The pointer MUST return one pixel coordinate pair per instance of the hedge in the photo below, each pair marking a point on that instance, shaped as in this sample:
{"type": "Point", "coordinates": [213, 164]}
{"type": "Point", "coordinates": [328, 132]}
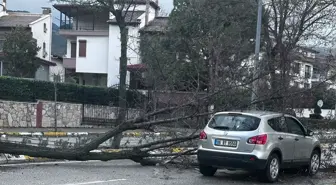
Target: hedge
{"type": "Point", "coordinates": [18, 89]}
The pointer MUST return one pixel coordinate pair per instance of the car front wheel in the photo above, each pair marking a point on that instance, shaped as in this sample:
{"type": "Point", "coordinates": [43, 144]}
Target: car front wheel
{"type": "Point", "coordinates": [314, 164]}
{"type": "Point", "coordinates": [207, 170]}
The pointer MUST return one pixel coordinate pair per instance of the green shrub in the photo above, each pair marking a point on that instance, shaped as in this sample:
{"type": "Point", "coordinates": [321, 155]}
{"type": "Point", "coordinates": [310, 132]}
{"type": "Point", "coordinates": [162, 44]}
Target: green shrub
{"type": "Point", "coordinates": [17, 89]}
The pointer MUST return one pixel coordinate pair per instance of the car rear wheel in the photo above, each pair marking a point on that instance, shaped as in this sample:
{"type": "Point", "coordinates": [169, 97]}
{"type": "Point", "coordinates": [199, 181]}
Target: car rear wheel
{"type": "Point", "coordinates": [272, 170]}
{"type": "Point", "coordinates": [207, 171]}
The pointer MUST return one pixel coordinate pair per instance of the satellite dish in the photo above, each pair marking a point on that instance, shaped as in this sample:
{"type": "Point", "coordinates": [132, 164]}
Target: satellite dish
{"type": "Point", "coordinates": [320, 103]}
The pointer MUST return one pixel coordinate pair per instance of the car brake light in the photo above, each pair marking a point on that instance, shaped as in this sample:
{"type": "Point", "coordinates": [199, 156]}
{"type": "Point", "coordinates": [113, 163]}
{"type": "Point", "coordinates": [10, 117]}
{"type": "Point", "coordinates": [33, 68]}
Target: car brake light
{"type": "Point", "coordinates": [258, 140]}
{"type": "Point", "coordinates": [203, 135]}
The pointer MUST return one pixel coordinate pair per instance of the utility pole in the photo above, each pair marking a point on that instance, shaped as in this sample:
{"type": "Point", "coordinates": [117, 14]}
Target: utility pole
{"type": "Point", "coordinates": [256, 73]}
{"type": "Point", "coordinates": [1, 68]}
{"type": "Point", "coordinates": [55, 102]}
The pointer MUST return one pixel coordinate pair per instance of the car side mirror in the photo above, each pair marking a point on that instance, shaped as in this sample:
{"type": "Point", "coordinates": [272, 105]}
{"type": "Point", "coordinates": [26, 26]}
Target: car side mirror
{"type": "Point", "coordinates": [310, 133]}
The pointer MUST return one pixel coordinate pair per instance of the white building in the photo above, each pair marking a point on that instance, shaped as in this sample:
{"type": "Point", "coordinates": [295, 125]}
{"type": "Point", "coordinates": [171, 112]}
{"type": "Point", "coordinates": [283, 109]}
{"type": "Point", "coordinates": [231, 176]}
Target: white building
{"type": "Point", "coordinates": [40, 25]}
{"type": "Point", "coordinates": [57, 72]}
{"type": "Point", "coordinates": [93, 41]}
{"type": "Point", "coordinates": [311, 68]}
{"type": "Point", "coordinates": [302, 69]}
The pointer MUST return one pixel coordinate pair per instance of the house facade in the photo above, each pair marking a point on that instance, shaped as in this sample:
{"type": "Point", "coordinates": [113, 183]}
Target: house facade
{"type": "Point", "coordinates": [40, 25]}
{"type": "Point", "coordinates": [57, 72]}
{"type": "Point", "coordinates": [93, 41]}
{"type": "Point", "coordinates": [311, 68]}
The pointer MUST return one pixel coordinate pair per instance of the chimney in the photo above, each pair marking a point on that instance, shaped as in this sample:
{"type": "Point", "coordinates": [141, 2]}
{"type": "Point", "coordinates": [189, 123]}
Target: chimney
{"type": "Point", "coordinates": [46, 10]}
{"type": "Point", "coordinates": [4, 6]}
{"type": "Point", "coordinates": [147, 12]}
{"type": "Point", "coordinates": [157, 10]}
{"type": "Point", "coordinates": [3, 12]}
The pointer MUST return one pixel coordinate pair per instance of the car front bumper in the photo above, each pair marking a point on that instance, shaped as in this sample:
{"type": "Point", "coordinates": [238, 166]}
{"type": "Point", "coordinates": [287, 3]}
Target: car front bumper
{"type": "Point", "coordinates": [228, 160]}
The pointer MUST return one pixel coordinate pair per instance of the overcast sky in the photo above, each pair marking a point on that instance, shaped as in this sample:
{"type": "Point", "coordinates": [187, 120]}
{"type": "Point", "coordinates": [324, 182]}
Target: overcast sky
{"type": "Point", "coordinates": [34, 6]}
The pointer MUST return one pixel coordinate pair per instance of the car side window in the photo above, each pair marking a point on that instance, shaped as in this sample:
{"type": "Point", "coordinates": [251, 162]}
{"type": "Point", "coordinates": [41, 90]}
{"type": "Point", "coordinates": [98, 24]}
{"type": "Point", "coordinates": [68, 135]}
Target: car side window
{"type": "Point", "coordinates": [278, 124]}
{"type": "Point", "coordinates": [294, 127]}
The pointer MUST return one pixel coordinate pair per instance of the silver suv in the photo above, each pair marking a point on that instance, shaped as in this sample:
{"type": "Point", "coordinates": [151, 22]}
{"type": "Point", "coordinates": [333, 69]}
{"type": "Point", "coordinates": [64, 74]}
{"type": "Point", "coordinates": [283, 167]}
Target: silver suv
{"type": "Point", "coordinates": [257, 141]}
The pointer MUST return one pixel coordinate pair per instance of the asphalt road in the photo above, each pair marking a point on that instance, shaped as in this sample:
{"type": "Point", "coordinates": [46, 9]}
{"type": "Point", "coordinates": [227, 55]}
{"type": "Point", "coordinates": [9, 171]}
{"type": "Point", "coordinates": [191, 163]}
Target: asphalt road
{"type": "Point", "coordinates": [129, 173]}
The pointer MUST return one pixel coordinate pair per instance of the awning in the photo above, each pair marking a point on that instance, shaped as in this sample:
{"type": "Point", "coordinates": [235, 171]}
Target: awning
{"type": "Point", "coordinates": [136, 68]}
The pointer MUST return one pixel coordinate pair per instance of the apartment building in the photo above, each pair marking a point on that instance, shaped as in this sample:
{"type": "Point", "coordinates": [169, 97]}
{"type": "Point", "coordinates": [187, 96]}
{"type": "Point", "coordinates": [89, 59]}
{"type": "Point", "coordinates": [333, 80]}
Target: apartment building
{"type": "Point", "coordinates": [93, 41]}
{"type": "Point", "coordinates": [40, 27]}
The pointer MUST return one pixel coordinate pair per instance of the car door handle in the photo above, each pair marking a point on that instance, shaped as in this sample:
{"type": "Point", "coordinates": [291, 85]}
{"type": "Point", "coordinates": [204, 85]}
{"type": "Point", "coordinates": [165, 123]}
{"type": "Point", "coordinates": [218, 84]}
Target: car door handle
{"type": "Point", "coordinates": [296, 139]}
{"type": "Point", "coordinates": [280, 138]}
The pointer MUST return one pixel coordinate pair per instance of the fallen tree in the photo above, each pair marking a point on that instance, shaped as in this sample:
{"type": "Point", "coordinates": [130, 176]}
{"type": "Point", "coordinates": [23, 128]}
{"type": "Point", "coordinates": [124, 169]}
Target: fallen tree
{"type": "Point", "coordinates": [195, 108]}
{"type": "Point", "coordinates": [209, 71]}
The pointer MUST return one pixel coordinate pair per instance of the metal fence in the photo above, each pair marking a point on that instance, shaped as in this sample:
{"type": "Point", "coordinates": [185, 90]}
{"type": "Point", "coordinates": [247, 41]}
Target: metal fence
{"type": "Point", "coordinates": [99, 115]}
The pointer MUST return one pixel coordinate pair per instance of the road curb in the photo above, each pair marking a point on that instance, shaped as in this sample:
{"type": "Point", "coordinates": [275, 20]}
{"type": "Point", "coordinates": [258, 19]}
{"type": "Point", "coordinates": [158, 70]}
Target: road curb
{"type": "Point", "coordinates": [76, 134]}
{"type": "Point", "coordinates": [15, 159]}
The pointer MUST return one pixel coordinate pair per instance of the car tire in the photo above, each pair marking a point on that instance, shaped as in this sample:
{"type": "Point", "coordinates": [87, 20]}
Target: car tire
{"type": "Point", "coordinates": [207, 171]}
{"type": "Point", "coordinates": [314, 164]}
{"type": "Point", "coordinates": [272, 170]}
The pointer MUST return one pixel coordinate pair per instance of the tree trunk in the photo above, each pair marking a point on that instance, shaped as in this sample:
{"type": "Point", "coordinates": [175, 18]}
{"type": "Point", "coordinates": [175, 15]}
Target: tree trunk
{"type": "Point", "coordinates": [285, 78]}
{"type": "Point", "coordinates": [122, 83]}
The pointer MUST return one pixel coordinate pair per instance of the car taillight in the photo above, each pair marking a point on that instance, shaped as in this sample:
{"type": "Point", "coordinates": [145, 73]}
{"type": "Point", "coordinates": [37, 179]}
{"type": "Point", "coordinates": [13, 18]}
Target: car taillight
{"type": "Point", "coordinates": [203, 135]}
{"type": "Point", "coordinates": [258, 140]}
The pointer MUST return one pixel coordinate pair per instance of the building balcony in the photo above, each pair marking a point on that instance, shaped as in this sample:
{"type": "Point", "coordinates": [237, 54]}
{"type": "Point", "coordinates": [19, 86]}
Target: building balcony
{"type": "Point", "coordinates": [69, 63]}
{"type": "Point", "coordinates": [85, 30]}
{"type": "Point", "coordinates": [318, 78]}
{"type": "Point", "coordinates": [80, 21]}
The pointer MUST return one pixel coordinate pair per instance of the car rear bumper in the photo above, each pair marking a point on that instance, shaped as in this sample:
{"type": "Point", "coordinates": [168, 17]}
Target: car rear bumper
{"type": "Point", "coordinates": [228, 160]}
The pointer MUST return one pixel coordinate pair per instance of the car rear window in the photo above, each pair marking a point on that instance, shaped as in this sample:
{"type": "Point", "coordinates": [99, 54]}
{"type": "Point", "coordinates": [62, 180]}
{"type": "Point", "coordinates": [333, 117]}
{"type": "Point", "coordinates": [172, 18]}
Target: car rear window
{"type": "Point", "coordinates": [234, 122]}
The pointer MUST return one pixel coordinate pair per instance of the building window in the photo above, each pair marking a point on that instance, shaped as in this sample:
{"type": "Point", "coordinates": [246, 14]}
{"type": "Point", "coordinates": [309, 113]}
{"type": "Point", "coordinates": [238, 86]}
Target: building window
{"type": "Point", "coordinates": [45, 28]}
{"type": "Point", "coordinates": [316, 73]}
{"type": "Point", "coordinates": [296, 84]}
{"type": "Point", "coordinates": [82, 48]}
{"type": "Point", "coordinates": [44, 50]}
{"type": "Point", "coordinates": [296, 68]}
{"type": "Point", "coordinates": [307, 71]}
{"type": "Point", "coordinates": [57, 78]}
{"type": "Point", "coordinates": [306, 85]}
{"type": "Point", "coordinates": [1, 45]}
{"type": "Point", "coordinates": [73, 49]}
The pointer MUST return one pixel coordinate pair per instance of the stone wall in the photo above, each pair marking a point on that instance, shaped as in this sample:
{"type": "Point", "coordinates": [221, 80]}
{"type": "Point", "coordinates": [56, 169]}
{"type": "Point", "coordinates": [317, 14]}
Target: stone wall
{"type": "Point", "coordinates": [68, 114]}
{"type": "Point", "coordinates": [42, 114]}
{"type": "Point", "coordinates": [17, 114]}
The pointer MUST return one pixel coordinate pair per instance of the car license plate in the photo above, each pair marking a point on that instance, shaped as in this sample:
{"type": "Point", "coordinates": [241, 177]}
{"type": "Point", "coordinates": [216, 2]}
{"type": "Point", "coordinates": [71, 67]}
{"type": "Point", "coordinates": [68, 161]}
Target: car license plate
{"type": "Point", "coordinates": [227, 143]}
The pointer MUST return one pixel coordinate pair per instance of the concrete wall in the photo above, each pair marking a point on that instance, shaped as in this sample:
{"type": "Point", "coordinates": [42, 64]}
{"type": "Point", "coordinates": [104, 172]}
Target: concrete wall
{"type": "Point", "coordinates": [96, 55]}
{"type": "Point", "coordinates": [305, 112]}
{"type": "Point", "coordinates": [42, 114]}
{"type": "Point", "coordinates": [114, 53]}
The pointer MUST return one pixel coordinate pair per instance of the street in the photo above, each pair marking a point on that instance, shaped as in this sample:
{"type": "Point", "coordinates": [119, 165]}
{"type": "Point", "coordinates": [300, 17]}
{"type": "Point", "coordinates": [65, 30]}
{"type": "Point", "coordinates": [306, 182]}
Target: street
{"type": "Point", "coordinates": [129, 173]}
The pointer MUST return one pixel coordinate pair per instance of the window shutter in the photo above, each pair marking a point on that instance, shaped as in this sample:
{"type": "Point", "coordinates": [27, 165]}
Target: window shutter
{"type": "Point", "coordinates": [82, 48]}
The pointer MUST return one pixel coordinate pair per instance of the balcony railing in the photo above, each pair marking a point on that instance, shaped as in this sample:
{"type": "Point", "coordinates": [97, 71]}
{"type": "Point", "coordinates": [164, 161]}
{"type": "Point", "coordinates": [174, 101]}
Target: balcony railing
{"type": "Point", "coordinates": [86, 27]}
{"type": "Point", "coordinates": [69, 63]}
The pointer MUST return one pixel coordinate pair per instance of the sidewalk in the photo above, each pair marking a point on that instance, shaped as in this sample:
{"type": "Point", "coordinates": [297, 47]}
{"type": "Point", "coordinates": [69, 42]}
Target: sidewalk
{"type": "Point", "coordinates": [73, 132]}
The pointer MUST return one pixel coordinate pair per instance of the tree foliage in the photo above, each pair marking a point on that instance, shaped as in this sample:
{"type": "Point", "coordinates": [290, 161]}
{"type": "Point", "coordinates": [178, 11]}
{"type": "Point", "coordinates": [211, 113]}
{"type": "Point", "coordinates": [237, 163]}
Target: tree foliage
{"type": "Point", "coordinates": [20, 50]}
{"type": "Point", "coordinates": [203, 50]}
{"type": "Point", "coordinates": [287, 25]}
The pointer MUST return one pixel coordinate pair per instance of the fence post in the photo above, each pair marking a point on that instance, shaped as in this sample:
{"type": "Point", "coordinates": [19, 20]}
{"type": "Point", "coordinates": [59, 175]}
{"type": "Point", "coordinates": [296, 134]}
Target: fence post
{"type": "Point", "coordinates": [39, 108]}
{"type": "Point", "coordinates": [82, 114]}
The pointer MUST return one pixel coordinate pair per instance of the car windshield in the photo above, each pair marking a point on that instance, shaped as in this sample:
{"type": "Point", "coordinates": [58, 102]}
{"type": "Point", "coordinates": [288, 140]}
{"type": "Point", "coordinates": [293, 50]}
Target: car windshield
{"type": "Point", "coordinates": [234, 122]}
